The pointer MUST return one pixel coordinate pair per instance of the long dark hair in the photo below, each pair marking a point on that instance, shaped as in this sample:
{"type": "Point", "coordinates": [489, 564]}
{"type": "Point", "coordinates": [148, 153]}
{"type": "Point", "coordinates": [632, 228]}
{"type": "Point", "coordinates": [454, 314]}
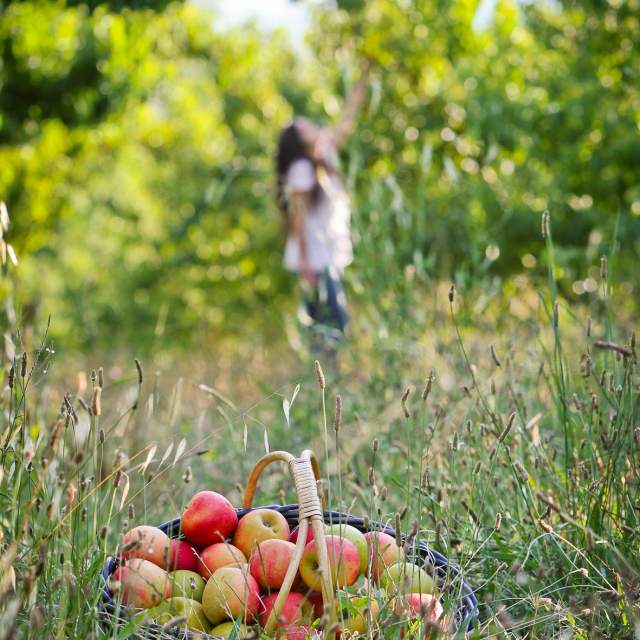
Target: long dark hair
{"type": "Point", "coordinates": [291, 148]}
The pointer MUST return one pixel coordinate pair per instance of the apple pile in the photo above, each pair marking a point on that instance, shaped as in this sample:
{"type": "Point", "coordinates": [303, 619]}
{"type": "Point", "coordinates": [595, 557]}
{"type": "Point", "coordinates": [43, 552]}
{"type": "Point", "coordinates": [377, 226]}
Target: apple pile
{"type": "Point", "coordinates": [228, 572]}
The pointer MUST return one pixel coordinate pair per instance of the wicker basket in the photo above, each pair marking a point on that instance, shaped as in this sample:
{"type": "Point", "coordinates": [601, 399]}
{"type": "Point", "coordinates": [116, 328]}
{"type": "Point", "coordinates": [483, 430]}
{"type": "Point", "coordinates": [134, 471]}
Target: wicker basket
{"type": "Point", "coordinates": [308, 513]}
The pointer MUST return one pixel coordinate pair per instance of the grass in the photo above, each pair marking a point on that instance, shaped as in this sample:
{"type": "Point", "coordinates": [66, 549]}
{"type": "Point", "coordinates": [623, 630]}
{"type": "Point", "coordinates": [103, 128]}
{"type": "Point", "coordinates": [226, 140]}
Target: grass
{"type": "Point", "coordinates": [512, 446]}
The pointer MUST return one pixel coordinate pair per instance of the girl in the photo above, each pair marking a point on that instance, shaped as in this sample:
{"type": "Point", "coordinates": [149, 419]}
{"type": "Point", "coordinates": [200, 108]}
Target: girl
{"type": "Point", "coordinates": [311, 193]}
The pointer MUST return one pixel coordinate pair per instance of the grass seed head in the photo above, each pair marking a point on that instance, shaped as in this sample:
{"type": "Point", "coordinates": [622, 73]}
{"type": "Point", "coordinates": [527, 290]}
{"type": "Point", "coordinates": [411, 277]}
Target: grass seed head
{"type": "Point", "coordinates": [522, 472]}
{"type": "Point", "coordinates": [427, 386]}
{"type": "Point", "coordinates": [506, 430]}
{"type": "Point", "coordinates": [12, 376]}
{"type": "Point", "coordinates": [545, 526]}
{"type": "Point", "coordinates": [96, 406]}
{"type": "Point", "coordinates": [337, 417]}
{"type": "Point", "coordinates": [320, 374]}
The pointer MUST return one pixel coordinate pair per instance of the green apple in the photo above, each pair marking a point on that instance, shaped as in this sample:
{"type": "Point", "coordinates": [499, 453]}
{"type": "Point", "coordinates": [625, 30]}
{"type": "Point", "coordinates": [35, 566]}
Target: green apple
{"type": "Point", "coordinates": [187, 584]}
{"type": "Point", "coordinates": [358, 539]}
{"type": "Point", "coordinates": [179, 606]}
{"type": "Point", "coordinates": [405, 577]}
{"type": "Point", "coordinates": [225, 630]}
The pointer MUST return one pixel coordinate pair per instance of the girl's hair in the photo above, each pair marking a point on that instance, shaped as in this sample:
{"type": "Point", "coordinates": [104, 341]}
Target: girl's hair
{"type": "Point", "coordinates": [291, 148]}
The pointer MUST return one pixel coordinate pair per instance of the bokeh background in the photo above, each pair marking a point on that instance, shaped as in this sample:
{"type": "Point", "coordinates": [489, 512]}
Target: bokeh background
{"type": "Point", "coordinates": [136, 146]}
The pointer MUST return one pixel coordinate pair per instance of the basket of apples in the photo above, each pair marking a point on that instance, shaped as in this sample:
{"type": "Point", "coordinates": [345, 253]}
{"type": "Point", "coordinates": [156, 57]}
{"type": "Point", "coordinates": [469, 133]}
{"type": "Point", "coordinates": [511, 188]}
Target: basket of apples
{"type": "Point", "coordinates": [292, 571]}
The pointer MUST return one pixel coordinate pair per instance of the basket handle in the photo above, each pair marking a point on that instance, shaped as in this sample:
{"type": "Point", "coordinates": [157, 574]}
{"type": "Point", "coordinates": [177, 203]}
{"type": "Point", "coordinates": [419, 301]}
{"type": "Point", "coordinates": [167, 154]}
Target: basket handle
{"type": "Point", "coordinates": [305, 473]}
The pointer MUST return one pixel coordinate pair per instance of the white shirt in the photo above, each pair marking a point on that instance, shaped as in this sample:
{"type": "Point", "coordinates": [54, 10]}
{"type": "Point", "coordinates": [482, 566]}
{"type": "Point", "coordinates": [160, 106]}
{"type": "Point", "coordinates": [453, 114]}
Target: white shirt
{"type": "Point", "coordinates": [325, 225]}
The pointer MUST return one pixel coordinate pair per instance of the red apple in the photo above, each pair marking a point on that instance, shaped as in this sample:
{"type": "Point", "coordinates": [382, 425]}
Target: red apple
{"type": "Point", "coordinates": [383, 552]}
{"type": "Point", "coordinates": [140, 584]}
{"type": "Point", "coordinates": [257, 526]}
{"type": "Point", "coordinates": [208, 518]}
{"type": "Point", "coordinates": [182, 556]}
{"type": "Point", "coordinates": [358, 539]}
{"type": "Point", "coordinates": [231, 593]}
{"type": "Point", "coordinates": [344, 562]}
{"type": "Point", "coordinates": [294, 610]}
{"type": "Point", "coordinates": [420, 605]}
{"type": "Point", "coordinates": [269, 562]}
{"type": "Point", "coordinates": [147, 543]}
{"type": "Point", "coordinates": [218, 555]}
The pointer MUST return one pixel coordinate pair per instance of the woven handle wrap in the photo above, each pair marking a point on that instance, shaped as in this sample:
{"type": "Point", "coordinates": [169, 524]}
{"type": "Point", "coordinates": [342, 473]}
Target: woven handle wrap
{"type": "Point", "coordinates": [305, 473]}
{"type": "Point", "coordinates": [306, 488]}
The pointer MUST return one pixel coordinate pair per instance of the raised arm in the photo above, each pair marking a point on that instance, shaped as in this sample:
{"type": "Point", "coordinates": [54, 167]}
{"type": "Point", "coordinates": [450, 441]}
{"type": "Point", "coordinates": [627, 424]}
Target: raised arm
{"type": "Point", "coordinates": [343, 129]}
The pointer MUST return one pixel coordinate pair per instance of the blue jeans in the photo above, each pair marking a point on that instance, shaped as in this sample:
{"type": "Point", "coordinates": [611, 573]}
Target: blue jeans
{"type": "Point", "coordinates": [326, 304]}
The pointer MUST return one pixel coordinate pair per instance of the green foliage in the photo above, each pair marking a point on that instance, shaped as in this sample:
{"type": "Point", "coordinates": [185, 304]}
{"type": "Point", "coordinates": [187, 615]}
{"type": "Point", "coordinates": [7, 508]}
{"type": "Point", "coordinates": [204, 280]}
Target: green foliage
{"type": "Point", "coordinates": [138, 174]}
{"type": "Point", "coordinates": [136, 146]}
{"type": "Point", "coordinates": [478, 131]}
